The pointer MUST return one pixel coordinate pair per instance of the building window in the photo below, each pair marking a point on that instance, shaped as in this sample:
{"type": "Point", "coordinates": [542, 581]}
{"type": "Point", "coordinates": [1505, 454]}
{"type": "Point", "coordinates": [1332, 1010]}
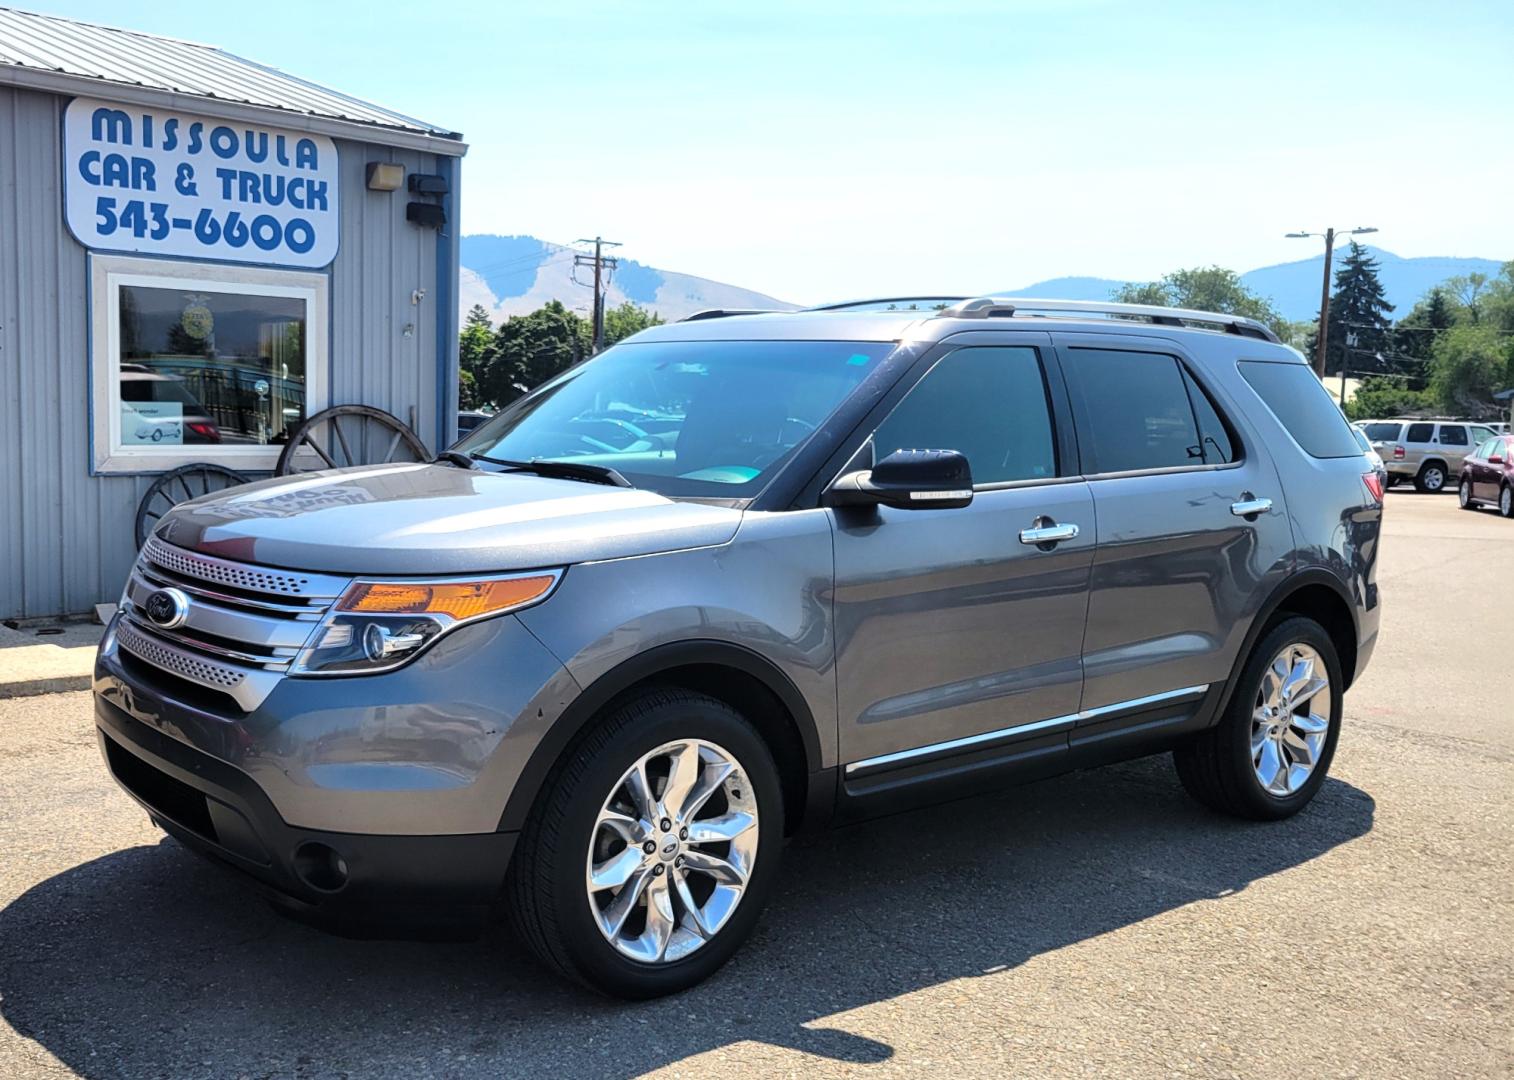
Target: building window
{"type": "Point", "coordinates": [195, 362]}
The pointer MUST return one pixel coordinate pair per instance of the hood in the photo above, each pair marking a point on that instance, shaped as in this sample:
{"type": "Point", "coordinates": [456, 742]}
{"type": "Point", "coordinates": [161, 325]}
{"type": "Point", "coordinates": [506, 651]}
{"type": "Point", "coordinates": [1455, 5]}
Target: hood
{"type": "Point", "coordinates": [437, 519]}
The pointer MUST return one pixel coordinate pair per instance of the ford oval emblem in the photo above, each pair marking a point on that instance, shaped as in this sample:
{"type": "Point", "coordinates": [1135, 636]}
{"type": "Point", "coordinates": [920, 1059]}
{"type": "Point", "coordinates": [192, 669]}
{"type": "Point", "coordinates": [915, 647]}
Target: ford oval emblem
{"type": "Point", "coordinates": [167, 608]}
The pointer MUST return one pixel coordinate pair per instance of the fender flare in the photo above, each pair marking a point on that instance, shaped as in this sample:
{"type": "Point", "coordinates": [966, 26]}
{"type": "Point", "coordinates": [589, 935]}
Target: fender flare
{"type": "Point", "coordinates": [1291, 584]}
{"type": "Point", "coordinates": [639, 668]}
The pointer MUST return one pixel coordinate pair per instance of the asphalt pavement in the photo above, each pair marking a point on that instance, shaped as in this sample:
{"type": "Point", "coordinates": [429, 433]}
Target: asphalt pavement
{"type": "Point", "coordinates": [1097, 924]}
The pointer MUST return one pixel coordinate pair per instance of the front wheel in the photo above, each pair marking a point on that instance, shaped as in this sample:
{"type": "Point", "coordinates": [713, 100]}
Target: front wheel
{"type": "Point", "coordinates": [1506, 501]}
{"type": "Point", "coordinates": [653, 850]}
{"type": "Point", "coordinates": [1271, 749]}
{"type": "Point", "coordinates": [1464, 494]}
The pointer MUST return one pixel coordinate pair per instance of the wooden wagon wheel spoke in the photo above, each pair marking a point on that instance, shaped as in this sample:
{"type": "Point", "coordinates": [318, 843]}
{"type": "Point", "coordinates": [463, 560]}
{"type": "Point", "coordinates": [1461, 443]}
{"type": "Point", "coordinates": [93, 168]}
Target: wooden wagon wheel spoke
{"type": "Point", "coordinates": [164, 493]}
{"type": "Point", "coordinates": [351, 432]}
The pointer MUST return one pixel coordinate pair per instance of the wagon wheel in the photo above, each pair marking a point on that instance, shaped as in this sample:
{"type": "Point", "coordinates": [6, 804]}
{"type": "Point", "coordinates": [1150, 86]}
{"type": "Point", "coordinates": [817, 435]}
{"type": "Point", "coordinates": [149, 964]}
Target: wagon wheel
{"type": "Point", "coordinates": [345, 435]}
{"type": "Point", "coordinates": [182, 484]}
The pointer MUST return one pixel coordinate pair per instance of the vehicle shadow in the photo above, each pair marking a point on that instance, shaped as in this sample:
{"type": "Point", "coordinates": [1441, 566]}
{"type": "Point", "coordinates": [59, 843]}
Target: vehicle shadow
{"type": "Point", "coordinates": [150, 961]}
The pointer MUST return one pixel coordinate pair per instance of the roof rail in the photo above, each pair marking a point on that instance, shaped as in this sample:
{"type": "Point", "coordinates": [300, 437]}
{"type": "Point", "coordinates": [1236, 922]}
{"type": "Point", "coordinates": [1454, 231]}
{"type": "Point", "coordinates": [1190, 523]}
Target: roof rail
{"type": "Point", "coordinates": [847, 305]}
{"type": "Point", "coordinates": [725, 313]}
{"type": "Point", "coordinates": [1003, 307]}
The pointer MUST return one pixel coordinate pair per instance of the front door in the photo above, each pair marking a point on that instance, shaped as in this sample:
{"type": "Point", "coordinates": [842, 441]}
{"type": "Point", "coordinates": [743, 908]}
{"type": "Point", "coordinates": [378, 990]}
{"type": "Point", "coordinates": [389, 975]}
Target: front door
{"type": "Point", "coordinates": [1192, 530]}
{"type": "Point", "coordinates": [958, 638]}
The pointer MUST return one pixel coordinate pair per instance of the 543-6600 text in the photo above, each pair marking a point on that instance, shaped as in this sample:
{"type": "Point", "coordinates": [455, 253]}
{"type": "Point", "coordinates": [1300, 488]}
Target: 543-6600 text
{"type": "Point", "coordinates": [152, 220]}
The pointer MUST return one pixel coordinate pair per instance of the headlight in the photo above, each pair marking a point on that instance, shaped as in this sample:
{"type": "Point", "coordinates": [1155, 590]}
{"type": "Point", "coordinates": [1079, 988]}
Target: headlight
{"type": "Point", "coordinates": [379, 625]}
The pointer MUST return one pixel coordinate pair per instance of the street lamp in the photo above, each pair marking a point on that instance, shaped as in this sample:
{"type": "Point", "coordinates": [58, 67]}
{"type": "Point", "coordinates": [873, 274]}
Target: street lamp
{"type": "Point", "coordinates": [1324, 303]}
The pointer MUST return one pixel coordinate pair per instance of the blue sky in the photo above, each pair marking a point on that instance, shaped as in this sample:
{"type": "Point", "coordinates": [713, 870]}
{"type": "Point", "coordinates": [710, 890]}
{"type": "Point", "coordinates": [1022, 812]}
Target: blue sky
{"type": "Point", "coordinates": [819, 150]}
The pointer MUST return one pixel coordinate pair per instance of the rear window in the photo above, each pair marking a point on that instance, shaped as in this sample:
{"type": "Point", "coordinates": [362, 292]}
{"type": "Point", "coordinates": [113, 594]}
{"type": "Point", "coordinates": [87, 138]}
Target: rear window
{"type": "Point", "coordinates": [1382, 432]}
{"type": "Point", "coordinates": [1296, 398]}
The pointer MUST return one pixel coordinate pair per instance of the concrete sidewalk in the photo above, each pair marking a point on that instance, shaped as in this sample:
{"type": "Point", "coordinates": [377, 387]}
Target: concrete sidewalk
{"type": "Point", "coordinates": [48, 659]}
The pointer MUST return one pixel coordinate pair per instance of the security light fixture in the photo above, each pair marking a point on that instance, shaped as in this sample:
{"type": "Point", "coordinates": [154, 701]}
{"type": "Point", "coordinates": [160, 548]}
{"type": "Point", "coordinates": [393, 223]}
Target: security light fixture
{"type": "Point", "coordinates": [385, 176]}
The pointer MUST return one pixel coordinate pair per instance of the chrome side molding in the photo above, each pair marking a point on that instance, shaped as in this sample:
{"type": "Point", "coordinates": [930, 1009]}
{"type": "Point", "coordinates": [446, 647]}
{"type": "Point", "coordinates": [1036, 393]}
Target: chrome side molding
{"type": "Point", "coordinates": [884, 761]}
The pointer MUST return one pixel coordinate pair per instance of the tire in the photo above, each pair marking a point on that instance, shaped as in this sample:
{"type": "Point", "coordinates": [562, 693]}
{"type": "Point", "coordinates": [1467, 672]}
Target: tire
{"type": "Point", "coordinates": [1464, 494]}
{"type": "Point", "coordinates": [1431, 479]}
{"type": "Point", "coordinates": [1218, 768]}
{"type": "Point", "coordinates": [1506, 501]}
{"type": "Point", "coordinates": [548, 889]}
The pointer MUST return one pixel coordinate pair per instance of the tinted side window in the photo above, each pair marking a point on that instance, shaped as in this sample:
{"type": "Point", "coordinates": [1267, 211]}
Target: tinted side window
{"type": "Point", "coordinates": [1214, 436]}
{"type": "Point", "coordinates": [1419, 433]}
{"type": "Point", "coordinates": [1383, 432]}
{"type": "Point", "coordinates": [1136, 410]}
{"type": "Point", "coordinates": [1453, 435]}
{"type": "Point", "coordinates": [988, 403]}
{"type": "Point", "coordinates": [1301, 404]}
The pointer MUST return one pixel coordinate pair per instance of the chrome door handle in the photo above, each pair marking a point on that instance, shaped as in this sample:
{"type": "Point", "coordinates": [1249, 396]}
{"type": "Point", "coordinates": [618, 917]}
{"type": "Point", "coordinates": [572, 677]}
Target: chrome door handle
{"type": "Point", "coordinates": [1048, 534]}
{"type": "Point", "coordinates": [1250, 507]}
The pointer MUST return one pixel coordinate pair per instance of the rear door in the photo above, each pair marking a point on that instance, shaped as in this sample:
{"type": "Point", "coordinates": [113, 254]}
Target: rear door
{"type": "Point", "coordinates": [957, 637]}
{"type": "Point", "coordinates": [1191, 532]}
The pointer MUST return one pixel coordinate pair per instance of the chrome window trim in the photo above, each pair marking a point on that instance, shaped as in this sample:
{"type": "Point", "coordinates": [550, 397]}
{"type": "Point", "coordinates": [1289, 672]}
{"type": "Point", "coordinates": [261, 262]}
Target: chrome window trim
{"type": "Point", "coordinates": [883, 761]}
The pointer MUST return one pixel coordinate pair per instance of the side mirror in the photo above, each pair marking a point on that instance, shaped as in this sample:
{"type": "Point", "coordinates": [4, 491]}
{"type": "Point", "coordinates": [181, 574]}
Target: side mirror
{"type": "Point", "coordinates": [907, 480]}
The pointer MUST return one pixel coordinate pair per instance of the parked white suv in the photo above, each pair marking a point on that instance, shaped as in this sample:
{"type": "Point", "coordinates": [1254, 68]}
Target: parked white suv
{"type": "Point", "coordinates": [1426, 452]}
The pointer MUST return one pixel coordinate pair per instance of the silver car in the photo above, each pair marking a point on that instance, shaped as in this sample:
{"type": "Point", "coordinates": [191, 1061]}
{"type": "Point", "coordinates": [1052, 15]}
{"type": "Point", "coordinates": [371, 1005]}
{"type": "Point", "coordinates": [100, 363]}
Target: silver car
{"type": "Point", "coordinates": [831, 564]}
{"type": "Point", "coordinates": [1425, 452]}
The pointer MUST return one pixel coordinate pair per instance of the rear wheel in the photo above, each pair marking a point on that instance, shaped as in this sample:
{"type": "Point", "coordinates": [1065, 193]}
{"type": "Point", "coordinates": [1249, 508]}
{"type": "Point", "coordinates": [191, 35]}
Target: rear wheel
{"type": "Point", "coordinates": [653, 850]}
{"type": "Point", "coordinates": [1271, 749]}
{"type": "Point", "coordinates": [1431, 479]}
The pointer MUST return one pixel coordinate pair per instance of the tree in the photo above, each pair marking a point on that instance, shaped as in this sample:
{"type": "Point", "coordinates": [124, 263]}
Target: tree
{"type": "Point", "coordinates": [1377, 396]}
{"type": "Point", "coordinates": [473, 346]}
{"type": "Point", "coordinates": [1205, 288]}
{"type": "Point", "coordinates": [527, 350]}
{"type": "Point", "coordinates": [1470, 362]}
{"type": "Point", "coordinates": [1359, 308]}
{"type": "Point", "coordinates": [627, 319]}
{"type": "Point", "coordinates": [1415, 334]}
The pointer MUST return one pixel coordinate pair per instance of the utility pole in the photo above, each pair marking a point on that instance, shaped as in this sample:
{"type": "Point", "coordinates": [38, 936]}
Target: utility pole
{"type": "Point", "coordinates": [1324, 300]}
{"type": "Point", "coordinates": [602, 266]}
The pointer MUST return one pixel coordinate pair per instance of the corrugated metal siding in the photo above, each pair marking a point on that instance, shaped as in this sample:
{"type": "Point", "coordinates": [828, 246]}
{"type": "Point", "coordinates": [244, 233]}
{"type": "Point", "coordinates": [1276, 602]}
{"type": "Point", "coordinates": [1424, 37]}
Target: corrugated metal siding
{"type": "Point", "coordinates": [66, 538]}
{"type": "Point", "coordinates": [69, 47]}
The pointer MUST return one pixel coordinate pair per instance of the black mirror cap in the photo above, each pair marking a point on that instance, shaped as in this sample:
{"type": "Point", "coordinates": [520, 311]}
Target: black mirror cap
{"type": "Point", "coordinates": [908, 480]}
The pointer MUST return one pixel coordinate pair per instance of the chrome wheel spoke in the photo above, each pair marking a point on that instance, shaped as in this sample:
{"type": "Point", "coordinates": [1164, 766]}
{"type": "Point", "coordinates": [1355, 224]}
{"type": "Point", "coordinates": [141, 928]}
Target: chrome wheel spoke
{"type": "Point", "coordinates": [613, 918]}
{"type": "Point", "coordinates": [660, 919]}
{"type": "Point", "coordinates": [616, 870]}
{"type": "Point", "coordinates": [682, 777]}
{"type": "Point", "coordinates": [1269, 764]}
{"type": "Point", "coordinates": [627, 828]}
{"type": "Point", "coordinates": [710, 780]}
{"type": "Point", "coordinates": [694, 911]}
{"type": "Point", "coordinates": [641, 793]}
{"type": "Point", "coordinates": [725, 827]}
{"type": "Point", "coordinates": [726, 873]}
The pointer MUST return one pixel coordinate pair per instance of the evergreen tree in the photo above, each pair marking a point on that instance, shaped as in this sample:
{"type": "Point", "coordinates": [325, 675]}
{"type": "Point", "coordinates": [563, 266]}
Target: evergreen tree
{"type": "Point", "coordinates": [1358, 307]}
{"type": "Point", "coordinates": [473, 347]}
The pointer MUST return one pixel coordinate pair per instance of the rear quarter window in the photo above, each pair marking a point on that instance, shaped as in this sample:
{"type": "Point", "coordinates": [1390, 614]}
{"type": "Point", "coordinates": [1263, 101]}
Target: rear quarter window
{"type": "Point", "coordinates": [1301, 405]}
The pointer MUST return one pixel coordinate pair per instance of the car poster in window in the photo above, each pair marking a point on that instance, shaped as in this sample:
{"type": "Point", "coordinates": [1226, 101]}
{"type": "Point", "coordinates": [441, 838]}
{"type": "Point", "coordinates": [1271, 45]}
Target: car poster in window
{"type": "Point", "coordinates": [160, 182]}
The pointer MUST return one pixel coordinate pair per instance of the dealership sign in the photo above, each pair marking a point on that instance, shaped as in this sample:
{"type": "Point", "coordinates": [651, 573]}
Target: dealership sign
{"type": "Point", "coordinates": [158, 182]}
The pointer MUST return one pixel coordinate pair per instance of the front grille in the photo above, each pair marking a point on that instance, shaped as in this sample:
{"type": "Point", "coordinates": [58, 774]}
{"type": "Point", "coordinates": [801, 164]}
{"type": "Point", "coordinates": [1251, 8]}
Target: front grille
{"type": "Point", "coordinates": [244, 627]}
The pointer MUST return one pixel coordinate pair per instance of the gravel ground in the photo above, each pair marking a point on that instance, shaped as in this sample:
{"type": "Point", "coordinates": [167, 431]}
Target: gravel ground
{"type": "Point", "coordinates": [1097, 924]}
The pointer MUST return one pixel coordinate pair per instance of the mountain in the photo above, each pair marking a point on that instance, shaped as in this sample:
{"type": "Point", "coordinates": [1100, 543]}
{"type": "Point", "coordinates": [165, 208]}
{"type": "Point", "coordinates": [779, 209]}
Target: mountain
{"type": "Point", "coordinates": [1294, 287]}
{"type": "Point", "coordinates": [512, 275]}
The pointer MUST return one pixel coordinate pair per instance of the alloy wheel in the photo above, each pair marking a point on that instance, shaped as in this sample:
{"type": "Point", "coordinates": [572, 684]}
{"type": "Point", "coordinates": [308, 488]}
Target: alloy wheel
{"type": "Point", "coordinates": [1464, 494]}
{"type": "Point", "coordinates": [672, 851]}
{"type": "Point", "coordinates": [1434, 479]}
{"type": "Point", "coordinates": [1291, 720]}
{"type": "Point", "coordinates": [1506, 501]}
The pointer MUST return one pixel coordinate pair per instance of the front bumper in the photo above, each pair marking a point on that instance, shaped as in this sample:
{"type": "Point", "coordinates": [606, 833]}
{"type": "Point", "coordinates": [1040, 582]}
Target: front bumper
{"type": "Point", "coordinates": [220, 812]}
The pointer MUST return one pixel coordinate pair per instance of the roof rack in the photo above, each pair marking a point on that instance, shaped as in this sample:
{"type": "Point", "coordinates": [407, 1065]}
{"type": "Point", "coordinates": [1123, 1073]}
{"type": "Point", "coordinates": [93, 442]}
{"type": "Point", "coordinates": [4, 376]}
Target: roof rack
{"type": "Point", "coordinates": [725, 313]}
{"type": "Point", "coordinates": [1003, 307]}
{"type": "Point", "coordinates": [847, 305]}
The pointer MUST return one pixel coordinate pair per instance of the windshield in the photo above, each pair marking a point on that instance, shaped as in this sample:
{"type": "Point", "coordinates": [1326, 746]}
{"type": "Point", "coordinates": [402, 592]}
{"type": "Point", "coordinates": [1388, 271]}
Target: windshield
{"type": "Point", "coordinates": [700, 419]}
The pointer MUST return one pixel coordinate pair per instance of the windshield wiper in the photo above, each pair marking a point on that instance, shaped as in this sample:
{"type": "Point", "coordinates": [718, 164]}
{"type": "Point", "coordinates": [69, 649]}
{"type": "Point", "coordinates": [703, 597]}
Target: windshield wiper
{"type": "Point", "coordinates": [561, 470]}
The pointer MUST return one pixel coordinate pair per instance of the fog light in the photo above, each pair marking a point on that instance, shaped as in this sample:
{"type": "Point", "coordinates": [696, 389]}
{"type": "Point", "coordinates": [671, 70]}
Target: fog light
{"type": "Point", "coordinates": [321, 867]}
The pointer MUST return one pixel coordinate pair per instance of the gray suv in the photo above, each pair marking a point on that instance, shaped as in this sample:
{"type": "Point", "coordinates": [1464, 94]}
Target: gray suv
{"type": "Point", "coordinates": [739, 576]}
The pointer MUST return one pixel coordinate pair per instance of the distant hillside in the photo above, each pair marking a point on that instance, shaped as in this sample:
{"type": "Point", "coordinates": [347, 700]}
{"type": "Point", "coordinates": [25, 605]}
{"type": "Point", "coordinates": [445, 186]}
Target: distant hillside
{"type": "Point", "coordinates": [1294, 287]}
{"type": "Point", "coordinates": [511, 275]}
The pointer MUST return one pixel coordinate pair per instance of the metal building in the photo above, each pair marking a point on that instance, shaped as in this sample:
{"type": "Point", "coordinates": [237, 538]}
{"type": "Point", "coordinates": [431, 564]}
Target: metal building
{"type": "Point", "coordinates": [196, 252]}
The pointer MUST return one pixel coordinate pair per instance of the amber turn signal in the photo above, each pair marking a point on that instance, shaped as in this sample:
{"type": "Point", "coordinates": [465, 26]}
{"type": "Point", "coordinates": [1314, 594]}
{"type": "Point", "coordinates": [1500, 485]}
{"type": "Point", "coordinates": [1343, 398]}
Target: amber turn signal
{"type": "Point", "coordinates": [458, 599]}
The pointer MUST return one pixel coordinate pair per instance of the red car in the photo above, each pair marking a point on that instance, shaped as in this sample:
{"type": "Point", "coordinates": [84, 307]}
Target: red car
{"type": "Point", "coordinates": [1487, 476]}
